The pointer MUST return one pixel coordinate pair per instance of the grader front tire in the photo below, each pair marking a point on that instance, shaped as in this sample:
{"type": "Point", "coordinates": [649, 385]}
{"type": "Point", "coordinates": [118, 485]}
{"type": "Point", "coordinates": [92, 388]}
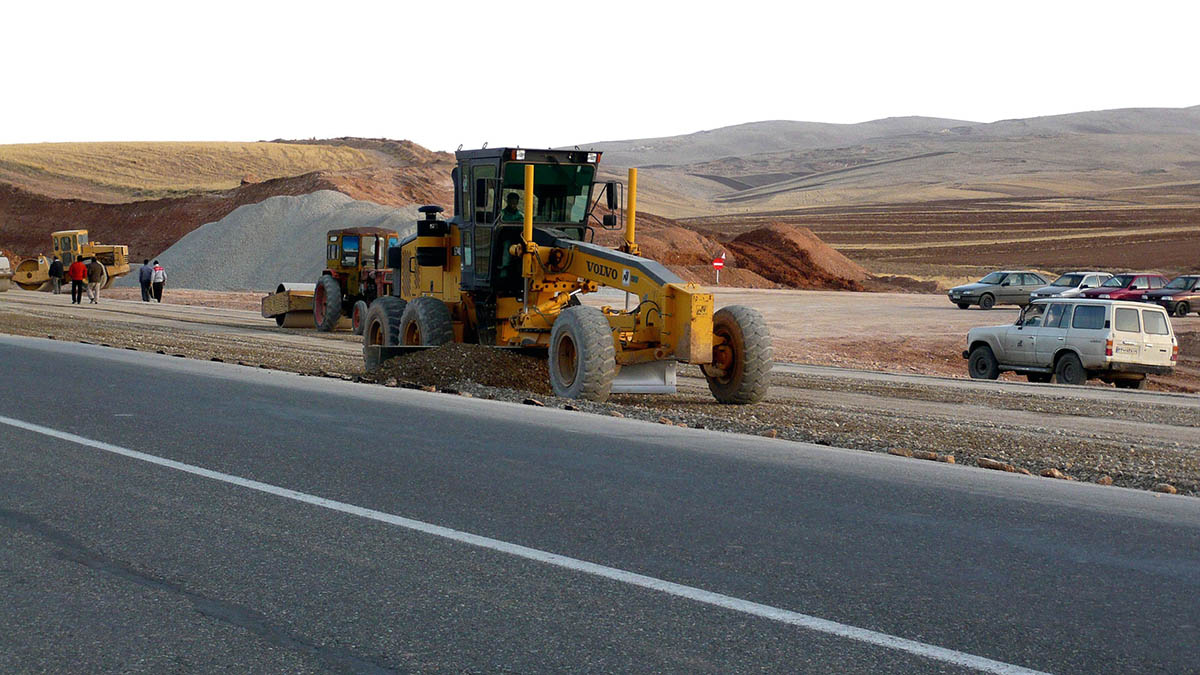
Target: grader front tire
{"type": "Point", "coordinates": [742, 356]}
{"type": "Point", "coordinates": [583, 359]}
{"type": "Point", "coordinates": [381, 327]}
{"type": "Point", "coordinates": [426, 321]}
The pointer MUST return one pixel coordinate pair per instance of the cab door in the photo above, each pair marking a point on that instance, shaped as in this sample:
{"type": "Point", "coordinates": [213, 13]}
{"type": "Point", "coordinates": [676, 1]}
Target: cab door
{"type": "Point", "coordinates": [1157, 342]}
{"type": "Point", "coordinates": [1052, 336]}
{"type": "Point", "coordinates": [1020, 339]}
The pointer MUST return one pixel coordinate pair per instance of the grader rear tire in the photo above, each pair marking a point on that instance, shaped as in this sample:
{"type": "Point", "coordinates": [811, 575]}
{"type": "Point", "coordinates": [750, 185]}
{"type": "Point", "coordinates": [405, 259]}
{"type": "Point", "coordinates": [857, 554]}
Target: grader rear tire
{"type": "Point", "coordinates": [382, 326]}
{"type": "Point", "coordinates": [327, 303]}
{"type": "Point", "coordinates": [426, 321]}
{"type": "Point", "coordinates": [741, 369]}
{"type": "Point", "coordinates": [358, 317]}
{"type": "Point", "coordinates": [583, 360]}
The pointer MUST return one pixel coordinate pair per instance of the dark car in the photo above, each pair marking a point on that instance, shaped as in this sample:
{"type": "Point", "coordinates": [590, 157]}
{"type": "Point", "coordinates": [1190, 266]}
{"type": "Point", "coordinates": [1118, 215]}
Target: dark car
{"type": "Point", "coordinates": [1005, 287]}
{"type": "Point", "coordinates": [1179, 297]}
{"type": "Point", "coordinates": [1127, 286]}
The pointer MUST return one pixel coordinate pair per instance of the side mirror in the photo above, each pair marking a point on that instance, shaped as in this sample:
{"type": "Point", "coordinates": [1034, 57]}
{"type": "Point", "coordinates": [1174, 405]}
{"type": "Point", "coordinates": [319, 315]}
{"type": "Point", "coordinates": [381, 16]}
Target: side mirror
{"type": "Point", "coordinates": [1084, 287]}
{"type": "Point", "coordinates": [610, 221]}
{"type": "Point", "coordinates": [610, 194]}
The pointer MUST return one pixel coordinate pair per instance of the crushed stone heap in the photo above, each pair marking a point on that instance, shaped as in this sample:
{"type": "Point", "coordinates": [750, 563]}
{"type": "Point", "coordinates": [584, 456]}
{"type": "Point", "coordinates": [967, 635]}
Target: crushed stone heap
{"type": "Point", "coordinates": [280, 239]}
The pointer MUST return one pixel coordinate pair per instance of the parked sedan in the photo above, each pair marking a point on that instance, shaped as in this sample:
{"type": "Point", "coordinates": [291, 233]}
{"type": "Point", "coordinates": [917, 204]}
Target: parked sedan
{"type": "Point", "coordinates": [1127, 286]}
{"type": "Point", "coordinates": [1005, 287]}
{"type": "Point", "coordinates": [1070, 285]}
{"type": "Point", "coordinates": [1179, 297]}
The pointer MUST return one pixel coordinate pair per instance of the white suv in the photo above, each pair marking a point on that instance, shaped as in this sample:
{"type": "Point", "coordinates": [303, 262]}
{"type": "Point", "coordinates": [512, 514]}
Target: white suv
{"type": "Point", "coordinates": [1075, 339]}
{"type": "Point", "coordinates": [1070, 285]}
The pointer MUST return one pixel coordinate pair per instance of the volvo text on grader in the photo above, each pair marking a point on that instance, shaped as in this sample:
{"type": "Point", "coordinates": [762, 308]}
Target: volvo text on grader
{"type": "Point", "coordinates": [507, 268]}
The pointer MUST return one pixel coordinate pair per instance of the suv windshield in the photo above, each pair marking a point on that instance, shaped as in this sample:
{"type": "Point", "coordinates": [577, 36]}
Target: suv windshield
{"type": "Point", "coordinates": [1181, 282]}
{"type": "Point", "coordinates": [1068, 280]}
{"type": "Point", "coordinates": [1118, 281]}
{"type": "Point", "coordinates": [993, 278]}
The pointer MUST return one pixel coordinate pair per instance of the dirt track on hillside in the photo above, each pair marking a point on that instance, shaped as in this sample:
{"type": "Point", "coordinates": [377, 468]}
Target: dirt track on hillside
{"type": "Point", "coordinates": [1138, 439]}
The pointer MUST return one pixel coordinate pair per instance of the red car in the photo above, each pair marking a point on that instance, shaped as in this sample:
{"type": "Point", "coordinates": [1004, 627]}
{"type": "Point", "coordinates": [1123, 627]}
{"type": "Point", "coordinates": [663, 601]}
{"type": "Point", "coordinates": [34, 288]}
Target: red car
{"type": "Point", "coordinates": [1126, 286]}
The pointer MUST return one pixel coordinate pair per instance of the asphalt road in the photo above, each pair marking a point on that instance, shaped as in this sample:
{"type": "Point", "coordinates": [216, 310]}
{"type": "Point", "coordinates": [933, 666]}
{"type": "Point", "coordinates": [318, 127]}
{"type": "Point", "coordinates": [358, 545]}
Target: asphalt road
{"type": "Point", "coordinates": [111, 562]}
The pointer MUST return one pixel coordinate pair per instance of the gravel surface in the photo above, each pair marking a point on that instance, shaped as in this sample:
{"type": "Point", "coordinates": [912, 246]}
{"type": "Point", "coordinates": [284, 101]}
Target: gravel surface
{"type": "Point", "coordinates": [1129, 444]}
{"type": "Point", "coordinates": [279, 239]}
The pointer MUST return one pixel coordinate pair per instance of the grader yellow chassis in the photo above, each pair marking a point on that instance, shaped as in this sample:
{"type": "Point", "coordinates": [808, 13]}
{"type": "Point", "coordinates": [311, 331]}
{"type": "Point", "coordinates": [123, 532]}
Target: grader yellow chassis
{"type": "Point", "coordinates": [524, 295]}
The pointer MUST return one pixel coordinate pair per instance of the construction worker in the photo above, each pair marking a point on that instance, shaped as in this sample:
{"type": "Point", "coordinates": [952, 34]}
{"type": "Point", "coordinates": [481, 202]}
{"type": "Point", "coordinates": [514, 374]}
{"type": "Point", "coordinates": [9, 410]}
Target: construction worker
{"type": "Point", "coordinates": [158, 277]}
{"type": "Point", "coordinates": [78, 273]}
{"type": "Point", "coordinates": [56, 275]}
{"type": "Point", "coordinates": [510, 213]}
{"type": "Point", "coordinates": [145, 274]}
{"type": "Point", "coordinates": [95, 280]}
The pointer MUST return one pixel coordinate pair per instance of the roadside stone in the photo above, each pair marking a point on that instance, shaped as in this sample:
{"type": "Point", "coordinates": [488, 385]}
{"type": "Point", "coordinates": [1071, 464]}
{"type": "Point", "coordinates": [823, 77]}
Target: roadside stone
{"type": "Point", "coordinates": [533, 402]}
{"type": "Point", "coordinates": [391, 382]}
{"type": "Point", "coordinates": [568, 406]}
{"type": "Point", "coordinates": [900, 452]}
{"type": "Point", "coordinates": [1165, 488]}
{"type": "Point", "coordinates": [770, 433]}
{"type": "Point", "coordinates": [948, 459]}
{"type": "Point", "coordinates": [1104, 480]}
{"type": "Point", "coordinates": [1055, 473]}
{"type": "Point", "coordinates": [614, 413]}
{"type": "Point", "coordinates": [925, 454]}
{"type": "Point", "coordinates": [663, 420]}
{"type": "Point", "coordinates": [429, 388]}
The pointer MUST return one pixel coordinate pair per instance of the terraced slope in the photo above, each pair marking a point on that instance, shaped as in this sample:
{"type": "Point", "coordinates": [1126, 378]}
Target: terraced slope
{"type": "Point", "coordinates": [121, 172]}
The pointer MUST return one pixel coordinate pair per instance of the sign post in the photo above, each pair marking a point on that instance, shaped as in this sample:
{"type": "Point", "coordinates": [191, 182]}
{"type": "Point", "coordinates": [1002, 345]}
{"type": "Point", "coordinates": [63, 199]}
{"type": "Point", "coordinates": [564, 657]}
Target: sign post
{"type": "Point", "coordinates": [718, 264]}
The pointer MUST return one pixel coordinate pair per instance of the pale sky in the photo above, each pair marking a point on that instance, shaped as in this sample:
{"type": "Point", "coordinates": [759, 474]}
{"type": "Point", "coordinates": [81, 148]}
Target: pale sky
{"type": "Point", "coordinates": [558, 73]}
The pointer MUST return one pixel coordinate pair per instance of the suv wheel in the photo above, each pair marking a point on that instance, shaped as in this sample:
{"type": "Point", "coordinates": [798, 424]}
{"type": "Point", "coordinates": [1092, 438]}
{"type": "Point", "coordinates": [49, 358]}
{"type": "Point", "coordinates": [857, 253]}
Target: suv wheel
{"type": "Point", "coordinates": [981, 364]}
{"type": "Point", "coordinates": [1069, 370]}
{"type": "Point", "coordinates": [987, 301]}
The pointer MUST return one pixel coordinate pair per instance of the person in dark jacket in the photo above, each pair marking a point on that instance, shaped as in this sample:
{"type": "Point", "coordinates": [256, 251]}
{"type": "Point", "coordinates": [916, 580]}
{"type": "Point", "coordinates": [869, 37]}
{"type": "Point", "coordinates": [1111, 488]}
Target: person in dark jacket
{"type": "Point", "coordinates": [78, 273]}
{"type": "Point", "coordinates": [96, 274]}
{"type": "Point", "coordinates": [56, 275]}
{"type": "Point", "coordinates": [144, 275]}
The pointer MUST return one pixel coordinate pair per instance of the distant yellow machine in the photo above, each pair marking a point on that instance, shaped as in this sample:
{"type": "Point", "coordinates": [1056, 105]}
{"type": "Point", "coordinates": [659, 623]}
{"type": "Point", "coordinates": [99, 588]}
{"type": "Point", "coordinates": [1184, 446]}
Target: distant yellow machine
{"type": "Point", "coordinates": [69, 246]}
{"type": "Point", "coordinates": [508, 268]}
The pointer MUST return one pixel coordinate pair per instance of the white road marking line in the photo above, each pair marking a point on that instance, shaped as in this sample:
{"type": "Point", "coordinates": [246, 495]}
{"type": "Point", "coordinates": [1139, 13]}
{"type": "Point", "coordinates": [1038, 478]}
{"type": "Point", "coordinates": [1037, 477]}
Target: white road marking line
{"type": "Point", "coordinates": [632, 578]}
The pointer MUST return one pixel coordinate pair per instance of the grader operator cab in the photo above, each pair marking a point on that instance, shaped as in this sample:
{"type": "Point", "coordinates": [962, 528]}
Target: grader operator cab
{"type": "Point", "coordinates": [508, 268]}
{"type": "Point", "coordinates": [355, 275]}
{"type": "Point", "coordinates": [71, 245]}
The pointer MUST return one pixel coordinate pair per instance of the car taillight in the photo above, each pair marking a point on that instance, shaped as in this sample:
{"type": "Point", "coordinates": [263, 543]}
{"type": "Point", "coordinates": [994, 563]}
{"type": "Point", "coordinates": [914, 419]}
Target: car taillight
{"type": "Point", "coordinates": [1175, 353]}
{"type": "Point", "coordinates": [1108, 347]}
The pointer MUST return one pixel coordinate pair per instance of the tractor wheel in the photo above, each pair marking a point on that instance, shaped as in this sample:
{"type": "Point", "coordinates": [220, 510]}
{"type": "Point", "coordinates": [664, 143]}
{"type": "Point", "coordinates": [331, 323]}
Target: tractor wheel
{"type": "Point", "coordinates": [358, 317]}
{"type": "Point", "coordinates": [426, 321]}
{"type": "Point", "coordinates": [740, 371]}
{"type": "Point", "coordinates": [583, 360]}
{"type": "Point", "coordinates": [327, 303]}
{"type": "Point", "coordinates": [381, 327]}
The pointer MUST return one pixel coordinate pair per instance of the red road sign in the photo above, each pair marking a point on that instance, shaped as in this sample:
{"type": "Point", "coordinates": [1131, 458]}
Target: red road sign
{"type": "Point", "coordinates": [718, 263]}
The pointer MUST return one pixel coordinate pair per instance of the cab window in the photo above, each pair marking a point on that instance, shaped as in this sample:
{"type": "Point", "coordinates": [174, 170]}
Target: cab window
{"type": "Point", "coordinates": [349, 251]}
{"type": "Point", "coordinates": [1032, 316]}
{"type": "Point", "coordinates": [485, 203]}
{"type": "Point", "coordinates": [1155, 322]}
{"type": "Point", "coordinates": [1054, 315]}
{"type": "Point", "coordinates": [1127, 320]}
{"type": "Point", "coordinates": [1088, 317]}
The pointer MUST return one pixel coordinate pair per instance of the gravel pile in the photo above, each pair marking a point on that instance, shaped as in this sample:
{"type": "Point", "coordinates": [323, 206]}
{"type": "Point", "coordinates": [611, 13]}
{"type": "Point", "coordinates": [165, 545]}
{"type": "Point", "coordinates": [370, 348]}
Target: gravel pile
{"type": "Point", "coordinates": [279, 239]}
{"type": "Point", "coordinates": [458, 364]}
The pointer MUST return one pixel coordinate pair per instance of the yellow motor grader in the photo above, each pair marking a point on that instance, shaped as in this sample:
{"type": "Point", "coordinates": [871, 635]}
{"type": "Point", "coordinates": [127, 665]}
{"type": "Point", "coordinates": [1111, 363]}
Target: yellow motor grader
{"type": "Point", "coordinates": [508, 268]}
{"type": "Point", "coordinates": [71, 245]}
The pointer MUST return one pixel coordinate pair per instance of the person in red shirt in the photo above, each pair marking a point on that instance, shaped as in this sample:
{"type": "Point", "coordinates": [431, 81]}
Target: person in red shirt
{"type": "Point", "coordinates": [78, 273]}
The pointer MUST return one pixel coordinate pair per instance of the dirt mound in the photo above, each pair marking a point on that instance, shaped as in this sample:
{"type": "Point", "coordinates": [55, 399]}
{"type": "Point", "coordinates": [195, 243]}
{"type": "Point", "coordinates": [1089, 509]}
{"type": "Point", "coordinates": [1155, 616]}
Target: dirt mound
{"type": "Point", "coordinates": [397, 153]}
{"type": "Point", "coordinates": [735, 277]}
{"type": "Point", "coordinates": [666, 241]}
{"type": "Point", "coordinates": [455, 364]}
{"type": "Point", "coordinates": [794, 257]}
{"type": "Point", "coordinates": [150, 227]}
